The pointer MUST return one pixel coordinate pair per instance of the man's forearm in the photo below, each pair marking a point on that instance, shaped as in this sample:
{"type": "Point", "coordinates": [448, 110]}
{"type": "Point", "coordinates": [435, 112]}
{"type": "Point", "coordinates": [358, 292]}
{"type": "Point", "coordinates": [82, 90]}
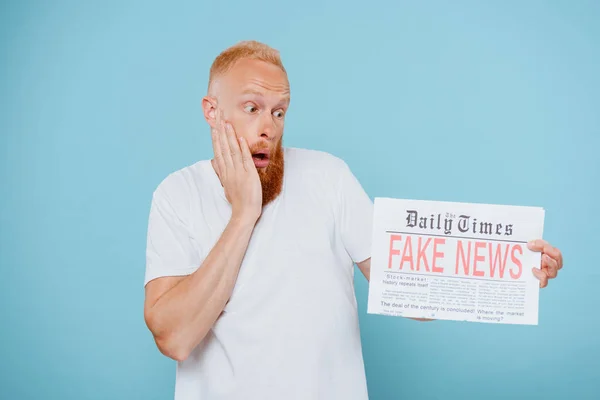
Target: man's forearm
{"type": "Point", "coordinates": [183, 315]}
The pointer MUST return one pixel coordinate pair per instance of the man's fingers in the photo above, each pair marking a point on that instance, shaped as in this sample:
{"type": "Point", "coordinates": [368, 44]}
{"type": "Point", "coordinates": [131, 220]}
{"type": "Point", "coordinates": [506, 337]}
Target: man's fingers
{"type": "Point", "coordinates": [218, 116]}
{"type": "Point", "coordinates": [560, 261]}
{"type": "Point", "coordinates": [246, 155]}
{"type": "Point", "coordinates": [215, 142]}
{"type": "Point", "coordinates": [223, 161]}
{"type": "Point", "coordinates": [225, 150]}
{"type": "Point", "coordinates": [556, 255]}
{"type": "Point", "coordinates": [217, 150]}
{"type": "Point", "coordinates": [553, 252]}
{"type": "Point", "coordinates": [551, 265]}
{"type": "Point", "coordinates": [234, 147]}
{"type": "Point", "coordinates": [537, 245]}
{"type": "Point", "coordinates": [543, 246]}
{"type": "Point", "coordinates": [541, 275]}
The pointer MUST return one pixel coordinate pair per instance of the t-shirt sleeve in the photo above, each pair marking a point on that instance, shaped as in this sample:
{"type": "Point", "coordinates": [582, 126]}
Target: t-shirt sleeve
{"type": "Point", "coordinates": [170, 249]}
{"type": "Point", "coordinates": [355, 216]}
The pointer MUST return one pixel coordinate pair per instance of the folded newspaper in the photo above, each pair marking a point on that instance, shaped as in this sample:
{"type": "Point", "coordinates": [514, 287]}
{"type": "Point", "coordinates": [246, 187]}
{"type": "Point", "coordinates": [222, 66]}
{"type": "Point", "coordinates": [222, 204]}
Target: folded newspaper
{"type": "Point", "coordinates": [455, 261]}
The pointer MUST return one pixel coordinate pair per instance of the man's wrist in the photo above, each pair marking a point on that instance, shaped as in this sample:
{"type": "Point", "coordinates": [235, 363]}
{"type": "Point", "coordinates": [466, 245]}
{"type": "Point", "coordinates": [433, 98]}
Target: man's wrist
{"type": "Point", "coordinates": [243, 220]}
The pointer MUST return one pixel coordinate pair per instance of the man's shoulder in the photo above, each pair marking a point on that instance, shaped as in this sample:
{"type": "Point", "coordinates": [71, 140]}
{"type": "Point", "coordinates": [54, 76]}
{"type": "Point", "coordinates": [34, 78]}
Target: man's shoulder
{"type": "Point", "coordinates": [180, 181]}
{"type": "Point", "coordinates": [315, 160]}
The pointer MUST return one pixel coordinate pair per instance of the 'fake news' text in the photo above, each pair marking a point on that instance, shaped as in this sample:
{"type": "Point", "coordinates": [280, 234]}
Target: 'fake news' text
{"type": "Point", "coordinates": [472, 258]}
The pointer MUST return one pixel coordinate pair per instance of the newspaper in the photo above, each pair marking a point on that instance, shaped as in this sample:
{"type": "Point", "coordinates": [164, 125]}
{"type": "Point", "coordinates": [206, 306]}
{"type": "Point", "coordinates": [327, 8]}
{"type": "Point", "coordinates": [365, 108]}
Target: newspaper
{"type": "Point", "coordinates": [455, 261]}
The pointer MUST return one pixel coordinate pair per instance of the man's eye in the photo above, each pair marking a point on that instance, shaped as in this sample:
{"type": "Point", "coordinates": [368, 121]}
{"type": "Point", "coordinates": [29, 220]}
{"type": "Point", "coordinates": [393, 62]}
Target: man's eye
{"type": "Point", "coordinates": [250, 109]}
{"type": "Point", "coordinates": [278, 114]}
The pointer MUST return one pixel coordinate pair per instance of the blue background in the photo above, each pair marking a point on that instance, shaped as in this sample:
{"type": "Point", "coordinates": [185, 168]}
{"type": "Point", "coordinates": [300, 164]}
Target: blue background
{"type": "Point", "coordinates": [494, 102]}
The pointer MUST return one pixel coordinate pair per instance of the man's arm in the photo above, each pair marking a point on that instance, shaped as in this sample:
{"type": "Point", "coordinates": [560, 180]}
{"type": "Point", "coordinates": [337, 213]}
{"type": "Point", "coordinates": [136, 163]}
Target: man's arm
{"type": "Point", "coordinates": [365, 268]}
{"type": "Point", "coordinates": [179, 311]}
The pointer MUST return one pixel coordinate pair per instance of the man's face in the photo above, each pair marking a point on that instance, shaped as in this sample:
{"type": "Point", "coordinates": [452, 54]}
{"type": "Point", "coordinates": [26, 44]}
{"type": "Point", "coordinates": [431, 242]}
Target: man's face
{"type": "Point", "coordinates": [254, 97]}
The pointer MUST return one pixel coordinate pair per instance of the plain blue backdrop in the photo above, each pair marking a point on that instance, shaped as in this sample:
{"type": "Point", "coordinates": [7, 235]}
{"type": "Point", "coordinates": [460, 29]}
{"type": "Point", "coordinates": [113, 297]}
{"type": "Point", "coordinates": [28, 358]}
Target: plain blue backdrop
{"type": "Point", "coordinates": [477, 101]}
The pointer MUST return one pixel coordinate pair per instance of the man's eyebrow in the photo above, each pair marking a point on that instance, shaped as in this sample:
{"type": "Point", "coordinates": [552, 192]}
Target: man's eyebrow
{"type": "Point", "coordinates": [284, 100]}
{"type": "Point", "coordinates": [252, 91]}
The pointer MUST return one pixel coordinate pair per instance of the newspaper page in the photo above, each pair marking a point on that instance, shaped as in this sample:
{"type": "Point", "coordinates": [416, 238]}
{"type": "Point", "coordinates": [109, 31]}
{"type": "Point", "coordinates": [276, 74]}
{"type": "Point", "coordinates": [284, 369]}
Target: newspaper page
{"type": "Point", "coordinates": [455, 261]}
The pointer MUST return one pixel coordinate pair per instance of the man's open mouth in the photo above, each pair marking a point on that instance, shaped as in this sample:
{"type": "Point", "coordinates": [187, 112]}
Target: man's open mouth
{"type": "Point", "coordinates": [261, 158]}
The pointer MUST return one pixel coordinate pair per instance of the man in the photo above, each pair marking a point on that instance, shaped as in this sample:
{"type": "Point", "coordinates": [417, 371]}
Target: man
{"type": "Point", "coordinates": [250, 257]}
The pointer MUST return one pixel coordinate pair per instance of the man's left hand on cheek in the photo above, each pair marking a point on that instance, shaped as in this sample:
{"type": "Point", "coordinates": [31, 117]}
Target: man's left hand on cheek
{"type": "Point", "coordinates": [552, 261]}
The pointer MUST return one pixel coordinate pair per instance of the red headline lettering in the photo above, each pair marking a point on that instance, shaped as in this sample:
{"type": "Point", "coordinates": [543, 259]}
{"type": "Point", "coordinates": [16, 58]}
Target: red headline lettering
{"type": "Point", "coordinates": [473, 258]}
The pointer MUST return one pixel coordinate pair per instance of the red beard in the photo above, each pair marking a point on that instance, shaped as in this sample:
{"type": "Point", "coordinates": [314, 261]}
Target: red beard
{"type": "Point", "coordinates": [271, 177]}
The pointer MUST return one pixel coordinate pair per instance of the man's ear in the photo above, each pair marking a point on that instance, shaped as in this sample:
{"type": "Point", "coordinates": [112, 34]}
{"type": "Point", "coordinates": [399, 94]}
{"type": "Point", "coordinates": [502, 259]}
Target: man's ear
{"type": "Point", "coordinates": [209, 108]}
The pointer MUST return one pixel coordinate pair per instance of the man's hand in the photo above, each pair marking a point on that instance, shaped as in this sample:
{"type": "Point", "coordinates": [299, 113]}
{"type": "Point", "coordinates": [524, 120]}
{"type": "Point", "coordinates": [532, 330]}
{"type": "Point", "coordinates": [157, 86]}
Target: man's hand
{"type": "Point", "coordinates": [236, 170]}
{"type": "Point", "coordinates": [552, 261]}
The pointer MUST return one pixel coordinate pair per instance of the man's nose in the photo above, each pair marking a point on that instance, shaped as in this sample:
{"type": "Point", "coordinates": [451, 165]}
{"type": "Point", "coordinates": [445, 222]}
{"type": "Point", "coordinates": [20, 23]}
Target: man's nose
{"type": "Point", "coordinates": [267, 127]}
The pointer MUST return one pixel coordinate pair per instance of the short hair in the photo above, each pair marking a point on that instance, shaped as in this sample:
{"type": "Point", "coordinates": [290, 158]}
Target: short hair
{"type": "Point", "coordinates": [250, 49]}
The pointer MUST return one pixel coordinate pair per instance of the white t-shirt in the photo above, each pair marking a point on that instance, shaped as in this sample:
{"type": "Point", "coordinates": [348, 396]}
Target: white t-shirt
{"type": "Point", "coordinates": [290, 330]}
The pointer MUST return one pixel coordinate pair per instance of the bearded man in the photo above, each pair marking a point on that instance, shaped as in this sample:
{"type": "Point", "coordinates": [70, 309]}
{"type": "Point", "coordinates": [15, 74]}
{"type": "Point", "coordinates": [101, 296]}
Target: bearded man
{"type": "Point", "coordinates": [250, 255]}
